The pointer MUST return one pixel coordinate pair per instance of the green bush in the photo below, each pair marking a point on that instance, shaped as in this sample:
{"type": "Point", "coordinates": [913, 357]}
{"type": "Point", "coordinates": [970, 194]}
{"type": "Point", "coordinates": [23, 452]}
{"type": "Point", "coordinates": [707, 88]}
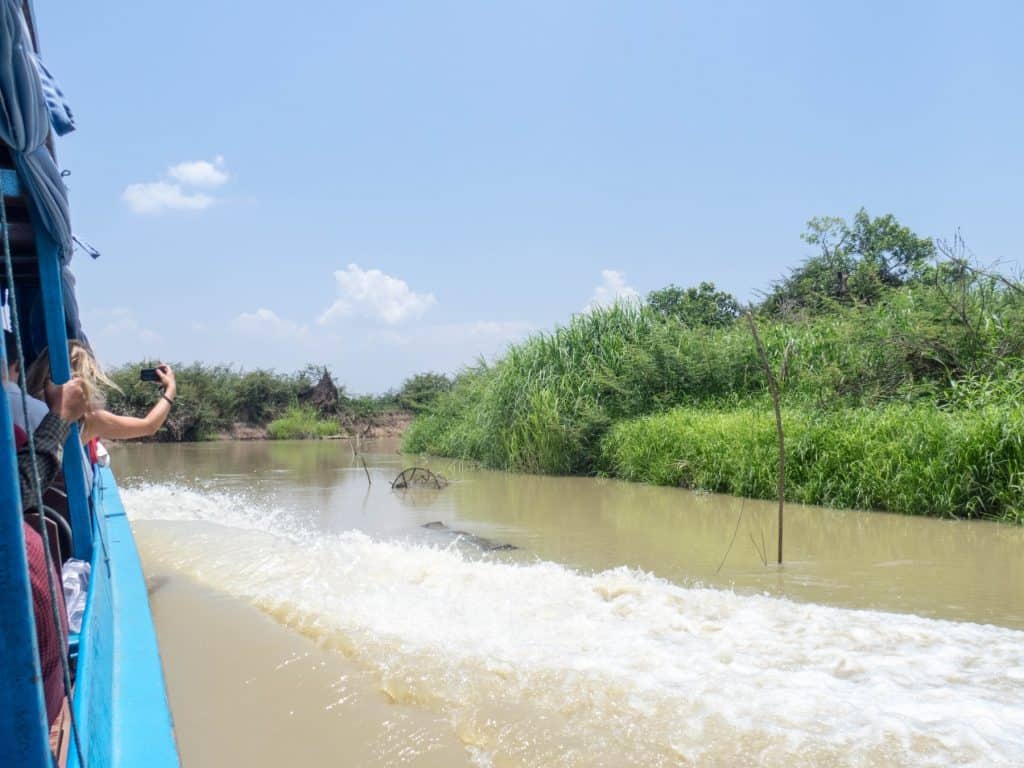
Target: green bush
{"type": "Point", "coordinates": [261, 395]}
{"type": "Point", "coordinates": [702, 305]}
{"type": "Point", "coordinates": [367, 406]}
{"type": "Point", "coordinates": [419, 392]}
{"type": "Point", "coordinates": [300, 422]}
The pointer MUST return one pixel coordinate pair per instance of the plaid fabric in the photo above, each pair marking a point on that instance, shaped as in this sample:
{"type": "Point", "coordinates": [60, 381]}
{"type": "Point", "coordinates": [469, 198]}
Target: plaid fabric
{"type": "Point", "coordinates": [51, 645]}
{"type": "Point", "coordinates": [49, 439]}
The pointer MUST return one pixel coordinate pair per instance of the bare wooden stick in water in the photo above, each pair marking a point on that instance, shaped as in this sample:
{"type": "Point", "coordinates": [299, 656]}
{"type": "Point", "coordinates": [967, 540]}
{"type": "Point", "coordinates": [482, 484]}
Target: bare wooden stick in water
{"type": "Point", "coordinates": [733, 540]}
{"type": "Point", "coordinates": [759, 548]}
{"type": "Point", "coordinates": [774, 388]}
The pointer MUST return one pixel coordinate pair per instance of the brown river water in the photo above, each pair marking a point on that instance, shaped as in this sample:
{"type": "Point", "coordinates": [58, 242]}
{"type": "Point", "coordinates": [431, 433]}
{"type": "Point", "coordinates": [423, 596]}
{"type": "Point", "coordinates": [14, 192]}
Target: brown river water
{"type": "Point", "coordinates": [307, 616]}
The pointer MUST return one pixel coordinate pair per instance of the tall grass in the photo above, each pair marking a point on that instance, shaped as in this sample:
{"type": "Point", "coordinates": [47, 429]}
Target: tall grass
{"type": "Point", "coordinates": [914, 459]}
{"type": "Point", "coordinates": [299, 422]}
{"type": "Point", "coordinates": [545, 406]}
{"type": "Point", "coordinates": [909, 404]}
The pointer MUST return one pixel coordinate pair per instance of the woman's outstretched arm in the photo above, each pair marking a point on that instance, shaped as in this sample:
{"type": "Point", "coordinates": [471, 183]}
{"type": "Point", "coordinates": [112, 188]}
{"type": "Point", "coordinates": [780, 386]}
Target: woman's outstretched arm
{"type": "Point", "coordinates": [104, 424]}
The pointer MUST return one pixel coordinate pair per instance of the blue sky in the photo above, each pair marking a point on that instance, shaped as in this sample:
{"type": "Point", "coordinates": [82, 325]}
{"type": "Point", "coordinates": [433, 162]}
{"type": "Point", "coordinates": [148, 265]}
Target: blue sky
{"type": "Point", "coordinates": [391, 187]}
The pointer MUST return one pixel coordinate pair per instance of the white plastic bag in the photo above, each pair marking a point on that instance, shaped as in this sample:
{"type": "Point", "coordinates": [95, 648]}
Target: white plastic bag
{"type": "Point", "coordinates": [74, 576]}
{"type": "Point", "coordinates": [102, 457]}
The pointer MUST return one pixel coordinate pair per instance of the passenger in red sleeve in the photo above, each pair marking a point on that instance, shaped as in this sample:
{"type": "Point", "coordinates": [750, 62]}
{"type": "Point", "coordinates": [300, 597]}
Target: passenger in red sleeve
{"type": "Point", "coordinates": [52, 641]}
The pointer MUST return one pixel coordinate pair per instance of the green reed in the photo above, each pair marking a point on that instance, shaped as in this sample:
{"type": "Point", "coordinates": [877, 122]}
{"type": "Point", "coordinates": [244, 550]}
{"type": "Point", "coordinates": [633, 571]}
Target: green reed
{"type": "Point", "coordinates": [554, 401]}
{"type": "Point", "coordinates": [914, 459]}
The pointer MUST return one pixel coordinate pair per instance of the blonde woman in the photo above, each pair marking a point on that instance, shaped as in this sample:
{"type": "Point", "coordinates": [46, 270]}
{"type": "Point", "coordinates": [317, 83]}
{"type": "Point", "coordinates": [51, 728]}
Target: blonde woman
{"type": "Point", "coordinates": [98, 422]}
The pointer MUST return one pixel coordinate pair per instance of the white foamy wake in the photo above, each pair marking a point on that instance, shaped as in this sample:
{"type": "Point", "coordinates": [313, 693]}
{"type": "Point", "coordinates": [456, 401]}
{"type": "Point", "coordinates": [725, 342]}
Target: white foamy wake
{"type": "Point", "coordinates": [538, 665]}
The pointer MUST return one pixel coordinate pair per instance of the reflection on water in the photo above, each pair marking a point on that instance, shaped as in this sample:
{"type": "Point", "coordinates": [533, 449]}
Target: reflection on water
{"type": "Point", "coordinates": [552, 654]}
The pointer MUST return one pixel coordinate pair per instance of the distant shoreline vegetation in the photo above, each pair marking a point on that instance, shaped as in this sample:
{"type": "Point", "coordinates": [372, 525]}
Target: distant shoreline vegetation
{"type": "Point", "coordinates": [901, 368]}
{"type": "Point", "coordinates": [215, 400]}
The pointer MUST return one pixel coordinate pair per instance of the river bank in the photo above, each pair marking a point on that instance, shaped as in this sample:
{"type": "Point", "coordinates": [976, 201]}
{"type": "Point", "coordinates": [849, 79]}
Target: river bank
{"type": "Point", "coordinates": [381, 426]}
{"type": "Point", "coordinates": [909, 459]}
{"type": "Point", "coordinates": [910, 405]}
{"type": "Point", "coordinates": [388, 424]}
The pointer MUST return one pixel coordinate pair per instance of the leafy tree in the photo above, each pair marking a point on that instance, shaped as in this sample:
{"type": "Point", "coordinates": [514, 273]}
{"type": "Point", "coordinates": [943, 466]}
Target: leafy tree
{"type": "Point", "coordinates": [856, 262]}
{"type": "Point", "coordinates": [704, 305]}
{"type": "Point", "coordinates": [309, 375]}
{"type": "Point", "coordinates": [420, 391]}
{"type": "Point", "coordinates": [261, 395]}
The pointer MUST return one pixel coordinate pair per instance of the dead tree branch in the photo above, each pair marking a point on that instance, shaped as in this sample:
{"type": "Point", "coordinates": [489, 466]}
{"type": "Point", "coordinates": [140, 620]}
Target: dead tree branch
{"type": "Point", "coordinates": [773, 387]}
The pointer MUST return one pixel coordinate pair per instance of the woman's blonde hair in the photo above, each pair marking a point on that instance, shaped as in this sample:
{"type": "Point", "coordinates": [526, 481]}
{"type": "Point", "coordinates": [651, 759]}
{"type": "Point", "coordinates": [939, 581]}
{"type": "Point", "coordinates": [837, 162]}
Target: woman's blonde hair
{"type": "Point", "coordinates": [83, 366]}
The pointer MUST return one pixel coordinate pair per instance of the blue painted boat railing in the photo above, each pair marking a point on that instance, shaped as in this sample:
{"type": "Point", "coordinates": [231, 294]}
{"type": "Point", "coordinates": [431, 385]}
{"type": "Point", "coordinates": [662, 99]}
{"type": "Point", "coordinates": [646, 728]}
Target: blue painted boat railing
{"type": "Point", "coordinates": [60, 371]}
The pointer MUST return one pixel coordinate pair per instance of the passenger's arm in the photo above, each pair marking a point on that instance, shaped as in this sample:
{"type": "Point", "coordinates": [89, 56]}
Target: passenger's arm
{"type": "Point", "coordinates": [49, 439]}
{"type": "Point", "coordinates": [104, 424]}
{"type": "Point", "coordinates": [67, 404]}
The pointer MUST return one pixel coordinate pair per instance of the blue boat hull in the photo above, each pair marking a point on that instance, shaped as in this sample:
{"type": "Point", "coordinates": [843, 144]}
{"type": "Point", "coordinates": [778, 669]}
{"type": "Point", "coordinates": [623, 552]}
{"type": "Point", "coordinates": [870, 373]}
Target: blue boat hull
{"type": "Point", "coordinates": [120, 703]}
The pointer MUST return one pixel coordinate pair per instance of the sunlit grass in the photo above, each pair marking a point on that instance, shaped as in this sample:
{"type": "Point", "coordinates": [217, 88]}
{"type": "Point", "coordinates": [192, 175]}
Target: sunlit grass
{"type": "Point", "coordinates": [912, 459]}
{"type": "Point", "coordinates": [299, 423]}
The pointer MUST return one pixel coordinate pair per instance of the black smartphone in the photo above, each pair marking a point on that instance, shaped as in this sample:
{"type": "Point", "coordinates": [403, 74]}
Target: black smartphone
{"type": "Point", "coordinates": [148, 374]}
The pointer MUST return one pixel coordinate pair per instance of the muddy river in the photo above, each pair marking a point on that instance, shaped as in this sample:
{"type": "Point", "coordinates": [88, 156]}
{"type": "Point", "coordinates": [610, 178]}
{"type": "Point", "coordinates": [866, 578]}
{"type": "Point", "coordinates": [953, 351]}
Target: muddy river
{"type": "Point", "coordinates": [309, 614]}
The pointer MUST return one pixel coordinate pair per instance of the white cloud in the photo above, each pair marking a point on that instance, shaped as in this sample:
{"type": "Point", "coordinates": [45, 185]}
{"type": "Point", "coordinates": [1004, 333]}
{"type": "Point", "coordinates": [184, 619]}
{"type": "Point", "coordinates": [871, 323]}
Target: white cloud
{"type": "Point", "coordinates": [265, 323]}
{"type": "Point", "coordinates": [170, 194]}
{"type": "Point", "coordinates": [120, 320]}
{"type": "Point", "coordinates": [613, 289]}
{"type": "Point", "coordinates": [371, 293]}
{"type": "Point", "coordinates": [200, 173]}
{"type": "Point", "coordinates": [157, 196]}
{"type": "Point", "coordinates": [117, 330]}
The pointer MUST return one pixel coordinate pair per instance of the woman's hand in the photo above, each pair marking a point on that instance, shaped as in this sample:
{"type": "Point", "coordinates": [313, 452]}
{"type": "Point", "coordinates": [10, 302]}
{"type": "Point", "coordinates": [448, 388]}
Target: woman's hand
{"type": "Point", "coordinates": [67, 400]}
{"type": "Point", "coordinates": [165, 373]}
